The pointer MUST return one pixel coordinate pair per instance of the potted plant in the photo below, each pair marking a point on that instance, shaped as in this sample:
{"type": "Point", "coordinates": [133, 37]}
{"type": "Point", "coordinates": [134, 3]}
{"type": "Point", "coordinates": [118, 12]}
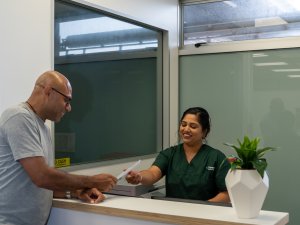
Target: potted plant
{"type": "Point", "coordinates": [247, 181]}
{"type": "Point", "coordinates": [249, 156]}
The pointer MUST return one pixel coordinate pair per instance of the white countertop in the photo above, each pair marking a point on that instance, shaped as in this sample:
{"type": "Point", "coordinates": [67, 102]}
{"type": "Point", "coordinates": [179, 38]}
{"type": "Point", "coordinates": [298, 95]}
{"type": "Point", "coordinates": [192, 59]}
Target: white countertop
{"type": "Point", "coordinates": [170, 211]}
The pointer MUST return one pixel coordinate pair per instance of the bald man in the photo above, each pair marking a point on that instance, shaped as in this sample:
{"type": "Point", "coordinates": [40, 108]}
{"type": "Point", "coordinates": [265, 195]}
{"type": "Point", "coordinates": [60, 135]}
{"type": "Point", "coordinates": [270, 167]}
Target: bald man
{"type": "Point", "coordinates": [28, 179]}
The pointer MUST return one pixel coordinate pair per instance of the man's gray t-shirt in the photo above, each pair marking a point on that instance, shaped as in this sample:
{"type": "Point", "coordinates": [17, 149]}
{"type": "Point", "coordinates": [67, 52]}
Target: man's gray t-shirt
{"type": "Point", "coordinates": [23, 134]}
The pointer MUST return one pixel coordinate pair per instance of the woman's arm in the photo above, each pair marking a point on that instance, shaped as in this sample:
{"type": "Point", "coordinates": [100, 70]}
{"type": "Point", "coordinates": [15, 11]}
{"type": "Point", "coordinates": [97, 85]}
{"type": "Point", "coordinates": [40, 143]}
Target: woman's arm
{"type": "Point", "coordinates": [146, 177]}
{"type": "Point", "coordinates": [221, 197]}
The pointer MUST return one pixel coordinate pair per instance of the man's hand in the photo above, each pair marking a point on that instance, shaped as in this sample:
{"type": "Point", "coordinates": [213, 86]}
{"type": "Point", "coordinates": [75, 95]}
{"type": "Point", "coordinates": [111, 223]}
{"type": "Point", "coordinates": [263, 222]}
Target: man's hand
{"type": "Point", "coordinates": [105, 182]}
{"type": "Point", "coordinates": [92, 195]}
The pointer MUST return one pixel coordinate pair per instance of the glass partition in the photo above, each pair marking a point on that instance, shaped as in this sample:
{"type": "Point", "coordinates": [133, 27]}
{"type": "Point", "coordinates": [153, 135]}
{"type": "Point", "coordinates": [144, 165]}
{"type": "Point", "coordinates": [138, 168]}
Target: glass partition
{"type": "Point", "coordinates": [115, 68]}
{"type": "Point", "coordinates": [253, 93]}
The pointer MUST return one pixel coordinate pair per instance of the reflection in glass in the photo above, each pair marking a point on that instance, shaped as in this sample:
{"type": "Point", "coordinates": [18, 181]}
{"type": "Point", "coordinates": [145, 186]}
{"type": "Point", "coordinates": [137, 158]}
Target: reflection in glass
{"type": "Point", "coordinates": [101, 34]}
{"type": "Point", "coordinates": [260, 101]}
{"type": "Point", "coordinates": [115, 71]}
{"type": "Point", "coordinates": [237, 20]}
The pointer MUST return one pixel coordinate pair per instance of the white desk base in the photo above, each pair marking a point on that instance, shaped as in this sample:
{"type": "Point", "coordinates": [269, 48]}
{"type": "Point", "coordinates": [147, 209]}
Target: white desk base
{"type": "Point", "coordinates": [121, 210]}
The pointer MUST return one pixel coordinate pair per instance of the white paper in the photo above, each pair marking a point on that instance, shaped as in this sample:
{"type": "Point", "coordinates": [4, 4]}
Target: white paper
{"type": "Point", "coordinates": [125, 172]}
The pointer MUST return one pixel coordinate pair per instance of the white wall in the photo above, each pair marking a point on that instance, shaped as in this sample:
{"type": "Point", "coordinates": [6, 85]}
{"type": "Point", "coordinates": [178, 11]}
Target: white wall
{"type": "Point", "coordinates": [26, 44]}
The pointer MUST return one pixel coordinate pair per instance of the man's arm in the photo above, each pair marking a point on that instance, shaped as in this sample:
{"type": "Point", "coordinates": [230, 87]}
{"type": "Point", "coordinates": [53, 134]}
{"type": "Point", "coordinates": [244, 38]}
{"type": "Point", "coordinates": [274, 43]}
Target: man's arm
{"type": "Point", "coordinates": [50, 178]}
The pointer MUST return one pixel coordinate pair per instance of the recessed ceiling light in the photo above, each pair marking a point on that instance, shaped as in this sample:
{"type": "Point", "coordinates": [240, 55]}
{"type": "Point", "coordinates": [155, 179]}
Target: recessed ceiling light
{"type": "Point", "coordinates": [294, 76]}
{"type": "Point", "coordinates": [256, 55]}
{"type": "Point", "coordinates": [271, 64]}
{"type": "Point", "coordinates": [286, 70]}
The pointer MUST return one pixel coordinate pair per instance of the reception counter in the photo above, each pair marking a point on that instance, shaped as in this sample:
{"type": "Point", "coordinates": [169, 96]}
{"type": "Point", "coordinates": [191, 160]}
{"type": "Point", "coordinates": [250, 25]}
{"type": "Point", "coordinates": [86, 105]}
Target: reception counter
{"type": "Point", "coordinates": [122, 210]}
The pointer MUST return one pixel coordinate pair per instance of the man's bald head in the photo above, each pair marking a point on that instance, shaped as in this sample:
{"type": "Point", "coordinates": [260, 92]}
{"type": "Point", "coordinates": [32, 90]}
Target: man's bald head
{"type": "Point", "coordinates": [51, 96]}
{"type": "Point", "coordinates": [53, 79]}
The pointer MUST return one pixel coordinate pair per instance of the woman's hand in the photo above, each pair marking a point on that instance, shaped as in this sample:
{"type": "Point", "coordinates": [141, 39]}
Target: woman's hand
{"type": "Point", "coordinates": [134, 177]}
{"type": "Point", "coordinates": [145, 177]}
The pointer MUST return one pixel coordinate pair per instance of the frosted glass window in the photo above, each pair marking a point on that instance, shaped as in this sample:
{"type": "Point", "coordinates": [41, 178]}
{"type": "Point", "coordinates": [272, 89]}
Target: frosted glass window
{"type": "Point", "coordinates": [253, 93]}
{"type": "Point", "coordinates": [238, 20]}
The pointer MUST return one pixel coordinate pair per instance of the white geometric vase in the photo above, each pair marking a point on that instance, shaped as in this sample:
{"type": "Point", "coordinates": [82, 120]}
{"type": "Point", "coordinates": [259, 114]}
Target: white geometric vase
{"type": "Point", "coordinates": [247, 191]}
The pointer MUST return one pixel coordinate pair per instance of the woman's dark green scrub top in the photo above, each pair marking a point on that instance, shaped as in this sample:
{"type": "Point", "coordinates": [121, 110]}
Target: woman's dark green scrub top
{"type": "Point", "coordinates": [202, 179]}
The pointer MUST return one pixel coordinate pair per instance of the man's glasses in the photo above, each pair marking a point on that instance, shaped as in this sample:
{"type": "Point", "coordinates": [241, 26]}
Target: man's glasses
{"type": "Point", "coordinates": [67, 98]}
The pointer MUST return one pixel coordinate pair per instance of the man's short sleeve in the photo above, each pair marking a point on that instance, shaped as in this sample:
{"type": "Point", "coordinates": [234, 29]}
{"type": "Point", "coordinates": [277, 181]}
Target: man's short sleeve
{"type": "Point", "coordinates": [23, 136]}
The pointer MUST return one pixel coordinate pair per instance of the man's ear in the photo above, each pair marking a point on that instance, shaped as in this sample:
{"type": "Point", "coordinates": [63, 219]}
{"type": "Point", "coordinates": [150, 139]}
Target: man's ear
{"type": "Point", "coordinates": [47, 90]}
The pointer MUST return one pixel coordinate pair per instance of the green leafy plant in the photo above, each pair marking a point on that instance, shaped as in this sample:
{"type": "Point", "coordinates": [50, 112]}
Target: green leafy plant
{"type": "Point", "coordinates": [249, 156]}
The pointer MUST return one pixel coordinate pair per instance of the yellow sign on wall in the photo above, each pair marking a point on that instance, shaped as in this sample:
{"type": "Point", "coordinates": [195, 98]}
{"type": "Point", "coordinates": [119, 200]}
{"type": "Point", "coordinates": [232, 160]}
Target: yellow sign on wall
{"type": "Point", "coordinates": [62, 162]}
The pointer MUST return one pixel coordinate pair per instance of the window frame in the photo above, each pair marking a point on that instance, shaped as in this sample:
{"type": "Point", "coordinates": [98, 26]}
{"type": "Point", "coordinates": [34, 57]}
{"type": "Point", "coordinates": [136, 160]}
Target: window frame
{"type": "Point", "coordinates": [249, 45]}
{"type": "Point", "coordinates": [163, 135]}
